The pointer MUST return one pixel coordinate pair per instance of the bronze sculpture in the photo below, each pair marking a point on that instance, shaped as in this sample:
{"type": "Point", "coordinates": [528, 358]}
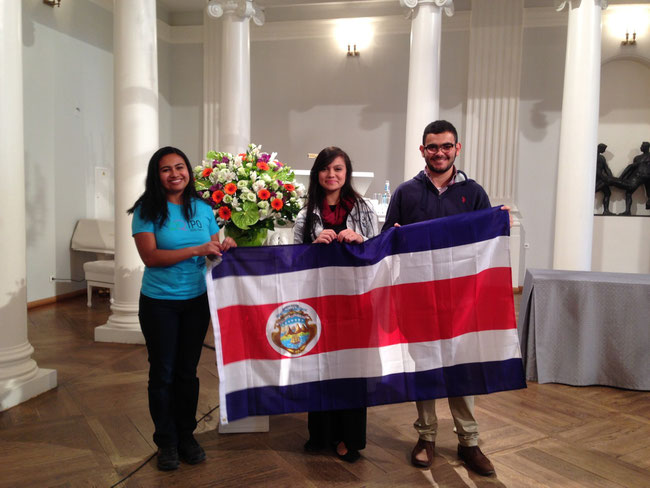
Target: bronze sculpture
{"type": "Point", "coordinates": [603, 177]}
{"type": "Point", "coordinates": [635, 175]}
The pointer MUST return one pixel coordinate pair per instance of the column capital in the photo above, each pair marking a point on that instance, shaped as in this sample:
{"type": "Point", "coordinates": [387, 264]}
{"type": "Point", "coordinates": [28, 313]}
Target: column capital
{"type": "Point", "coordinates": [560, 4]}
{"type": "Point", "coordinates": [447, 5]}
{"type": "Point", "coordinates": [244, 9]}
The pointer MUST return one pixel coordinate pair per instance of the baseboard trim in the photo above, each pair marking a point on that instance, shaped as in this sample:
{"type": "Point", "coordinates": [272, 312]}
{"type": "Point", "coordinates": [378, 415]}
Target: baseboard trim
{"type": "Point", "coordinates": [54, 299]}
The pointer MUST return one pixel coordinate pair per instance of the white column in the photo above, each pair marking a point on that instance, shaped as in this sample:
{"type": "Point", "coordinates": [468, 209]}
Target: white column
{"type": "Point", "coordinates": [136, 139]}
{"type": "Point", "coordinates": [423, 101]}
{"type": "Point", "coordinates": [235, 89]}
{"type": "Point", "coordinates": [576, 175]}
{"type": "Point", "coordinates": [20, 376]}
{"type": "Point", "coordinates": [490, 143]}
{"type": "Point", "coordinates": [211, 95]}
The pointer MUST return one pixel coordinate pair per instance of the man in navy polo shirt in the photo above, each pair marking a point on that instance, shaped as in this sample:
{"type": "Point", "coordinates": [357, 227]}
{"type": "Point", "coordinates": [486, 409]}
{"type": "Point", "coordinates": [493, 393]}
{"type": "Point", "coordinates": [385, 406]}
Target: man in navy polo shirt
{"type": "Point", "coordinates": [440, 190]}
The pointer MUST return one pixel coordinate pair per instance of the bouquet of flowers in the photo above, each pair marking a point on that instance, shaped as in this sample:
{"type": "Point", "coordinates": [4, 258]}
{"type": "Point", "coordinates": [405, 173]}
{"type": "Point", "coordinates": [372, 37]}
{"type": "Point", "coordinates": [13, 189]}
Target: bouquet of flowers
{"type": "Point", "coordinates": [250, 193]}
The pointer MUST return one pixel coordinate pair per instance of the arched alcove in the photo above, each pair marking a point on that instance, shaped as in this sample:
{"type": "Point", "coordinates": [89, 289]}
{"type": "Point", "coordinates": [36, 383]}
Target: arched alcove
{"type": "Point", "coordinates": [624, 122]}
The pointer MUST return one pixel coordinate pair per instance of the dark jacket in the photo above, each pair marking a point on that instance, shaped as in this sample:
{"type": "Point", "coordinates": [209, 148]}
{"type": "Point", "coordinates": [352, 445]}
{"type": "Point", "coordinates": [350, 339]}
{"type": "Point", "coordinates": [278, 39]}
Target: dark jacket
{"type": "Point", "coordinates": [418, 199]}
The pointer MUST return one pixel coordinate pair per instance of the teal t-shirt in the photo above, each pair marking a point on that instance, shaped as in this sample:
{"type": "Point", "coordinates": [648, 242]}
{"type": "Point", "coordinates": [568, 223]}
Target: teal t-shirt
{"type": "Point", "coordinates": [185, 279]}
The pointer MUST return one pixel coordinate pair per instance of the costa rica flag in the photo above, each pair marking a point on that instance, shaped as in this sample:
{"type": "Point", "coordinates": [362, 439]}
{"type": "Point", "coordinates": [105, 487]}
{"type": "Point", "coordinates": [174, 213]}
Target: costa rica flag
{"type": "Point", "coordinates": [419, 312]}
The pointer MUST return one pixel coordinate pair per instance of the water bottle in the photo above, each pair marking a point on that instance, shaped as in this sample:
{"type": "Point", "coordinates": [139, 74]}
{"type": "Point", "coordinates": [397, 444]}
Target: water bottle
{"type": "Point", "coordinates": [385, 198]}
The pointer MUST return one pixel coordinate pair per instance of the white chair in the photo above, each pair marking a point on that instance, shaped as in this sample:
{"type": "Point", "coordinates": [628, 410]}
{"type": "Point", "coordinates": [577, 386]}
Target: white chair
{"type": "Point", "coordinates": [96, 236]}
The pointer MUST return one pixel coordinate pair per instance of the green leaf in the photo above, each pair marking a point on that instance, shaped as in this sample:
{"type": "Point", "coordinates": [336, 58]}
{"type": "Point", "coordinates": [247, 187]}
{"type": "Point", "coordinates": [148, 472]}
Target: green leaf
{"type": "Point", "coordinates": [201, 185]}
{"type": "Point", "coordinates": [247, 216]}
{"type": "Point", "coordinates": [211, 155]}
{"type": "Point", "coordinates": [284, 175]}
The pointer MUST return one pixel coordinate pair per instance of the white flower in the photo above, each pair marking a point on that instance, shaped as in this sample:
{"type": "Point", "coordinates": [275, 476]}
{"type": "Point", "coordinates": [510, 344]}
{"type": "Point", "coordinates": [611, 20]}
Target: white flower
{"type": "Point", "coordinates": [274, 185]}
{"type": "Point", "coordinates": [279, 195]}
{"type": "Point", "coordinates": [300, 190]}
{"type": "Point", "coordinates": [241, 171]}
{"type": "Point", "coordinates": [227, 198]}
{"type": "Point", "coordinates": [266, 178]}
{"type": "Point", "coordinates": [264, 204]}
{"type": "Point", "coordinates": [250, 196]}
{"type": "Point", "coordinates": [252, 176]}
{"type": "Point", "coordinates": [241, 184]}
{"type": "Point", "coordinates": [235, 203]}
{"type": "Point", "coordinates": [258, 185]}
{"type": "Point", "coordinates": [206, 194]}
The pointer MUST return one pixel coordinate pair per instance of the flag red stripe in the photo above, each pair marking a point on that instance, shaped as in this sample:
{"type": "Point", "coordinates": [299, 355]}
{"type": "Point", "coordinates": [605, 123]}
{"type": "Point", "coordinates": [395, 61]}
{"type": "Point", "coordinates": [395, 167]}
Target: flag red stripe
{"type": "Point", "coordinates": [383, 316]}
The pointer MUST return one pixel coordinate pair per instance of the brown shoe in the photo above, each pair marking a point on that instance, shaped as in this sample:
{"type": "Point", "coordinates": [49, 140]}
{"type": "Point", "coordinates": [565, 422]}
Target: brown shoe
{"type": "Point", "coordinates": [475, 460]}
{"type": "Point", "coordinates": [423, 445]}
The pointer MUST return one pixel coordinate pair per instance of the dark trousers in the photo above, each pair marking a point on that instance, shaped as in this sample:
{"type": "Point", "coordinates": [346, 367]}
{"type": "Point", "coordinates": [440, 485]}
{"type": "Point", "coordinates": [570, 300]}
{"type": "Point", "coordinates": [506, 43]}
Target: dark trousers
{"type": "Point", "coordinates": [174, 331]}
{"type": "Point", "coordinates": [334, 426]}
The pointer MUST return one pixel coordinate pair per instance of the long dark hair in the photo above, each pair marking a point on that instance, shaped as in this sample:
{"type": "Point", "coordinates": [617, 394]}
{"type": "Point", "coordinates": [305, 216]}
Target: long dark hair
{"type": "Point", "coordinates": [152, 203]}
{"type": "Point", "coordinates": [316, 193]}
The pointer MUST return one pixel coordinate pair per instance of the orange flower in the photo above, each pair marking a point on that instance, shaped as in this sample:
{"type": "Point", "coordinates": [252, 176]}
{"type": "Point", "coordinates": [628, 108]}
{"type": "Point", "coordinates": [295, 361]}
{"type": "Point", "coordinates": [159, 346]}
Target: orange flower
{"type": "Point", "coordinates": [224, 213]}
{"type": "Point", "coordinates": [277, 203]}
{"type": "Point", "coordinates": [264, 194]}
{"type": "Point", "coordinates": [289, 187]}
{"type": "Point", "coordinates": [242, 154]}
{"type": "Point", "coordinates": [217, 196]}
{"type": "Point", "coordinates": [230, 188]}
{"type": "Point", "coordinates": [263, 166]}
{"type": "Point", "coordinates": [206, 173]}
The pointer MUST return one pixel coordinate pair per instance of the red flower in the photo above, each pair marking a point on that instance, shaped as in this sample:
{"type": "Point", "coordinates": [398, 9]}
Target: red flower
{"type": "Point", "coordinates": [277, 203]}
{"type": "Point", "coordinates": [242, 155]}
{"type": "Point", "coordinates": [264, 194]}
{"type": "Point", "coordinates": [230, 188]}
{"type": "Point", "coordinates": [279, 163]}
{"type": "Point", "coordinates": [263, 166]}
{"type": "Point", "coordinates": [217, 196]}
{"type": "Point", "coordinates": [206, 173]}
{"type": "Point", "coordinates": [289, 187]}
{"type": "Point", "coordinates": [224, 213]}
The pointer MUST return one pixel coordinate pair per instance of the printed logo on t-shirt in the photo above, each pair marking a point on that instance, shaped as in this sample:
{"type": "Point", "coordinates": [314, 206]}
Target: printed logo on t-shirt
{"type": "Point", "coordinates": [193, 225]}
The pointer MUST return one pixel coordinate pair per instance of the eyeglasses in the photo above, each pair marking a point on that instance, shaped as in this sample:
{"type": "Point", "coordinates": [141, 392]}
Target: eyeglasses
{"type": "Point", "coordinates": [434, 148]}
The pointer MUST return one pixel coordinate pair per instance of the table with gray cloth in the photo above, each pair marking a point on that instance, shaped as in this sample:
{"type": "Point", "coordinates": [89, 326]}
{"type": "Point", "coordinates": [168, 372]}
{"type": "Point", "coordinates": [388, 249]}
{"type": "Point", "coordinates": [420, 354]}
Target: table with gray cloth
{"type": "Point", "coordinates": [586, 328]}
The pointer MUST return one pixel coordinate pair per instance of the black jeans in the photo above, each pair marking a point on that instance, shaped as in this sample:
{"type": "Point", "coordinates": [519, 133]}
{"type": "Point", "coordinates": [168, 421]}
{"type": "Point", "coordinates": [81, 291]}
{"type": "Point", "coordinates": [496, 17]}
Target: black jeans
{"type": "Point", "coordinates": [174, 331]}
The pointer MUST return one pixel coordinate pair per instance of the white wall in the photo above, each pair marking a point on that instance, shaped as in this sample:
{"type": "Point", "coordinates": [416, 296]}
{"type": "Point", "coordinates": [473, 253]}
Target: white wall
{"type": "Point", "coordinates": [68, 80]}
{"type": "Point", "coordinates": [540, 108]}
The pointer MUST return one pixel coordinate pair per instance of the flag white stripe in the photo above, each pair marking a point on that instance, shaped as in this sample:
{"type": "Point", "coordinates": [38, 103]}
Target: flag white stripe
{"type": "Point", "coordinates": [492, 345]}
{"type": "Point", "coordinates": [417, 267]}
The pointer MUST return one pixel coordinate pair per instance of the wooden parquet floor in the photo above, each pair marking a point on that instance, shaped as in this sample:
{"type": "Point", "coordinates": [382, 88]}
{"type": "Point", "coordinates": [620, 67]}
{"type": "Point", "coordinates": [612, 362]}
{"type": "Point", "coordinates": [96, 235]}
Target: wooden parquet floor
{"type": "Point", "coordinates": [94, 429]}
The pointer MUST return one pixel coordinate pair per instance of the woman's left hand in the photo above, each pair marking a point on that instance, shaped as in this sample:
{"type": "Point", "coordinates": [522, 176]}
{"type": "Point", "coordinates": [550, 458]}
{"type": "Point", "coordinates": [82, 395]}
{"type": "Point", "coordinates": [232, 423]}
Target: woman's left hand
{"type": "Point", "coordinates": [348, 235]}
{"type": "Point", "coordinates": [227, 243]}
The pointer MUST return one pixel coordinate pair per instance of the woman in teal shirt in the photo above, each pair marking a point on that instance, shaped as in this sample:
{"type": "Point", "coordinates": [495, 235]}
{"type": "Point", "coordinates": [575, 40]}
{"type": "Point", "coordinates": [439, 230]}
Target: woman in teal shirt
{"type": "Point", "coordinates": [174, 231]}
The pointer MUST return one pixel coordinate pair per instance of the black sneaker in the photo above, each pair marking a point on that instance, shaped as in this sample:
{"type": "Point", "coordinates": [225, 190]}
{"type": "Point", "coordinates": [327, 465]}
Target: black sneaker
{"type": "Point", "coordinates": [168, 458]}
{"type": "Point", "coordinates": [191, 451]}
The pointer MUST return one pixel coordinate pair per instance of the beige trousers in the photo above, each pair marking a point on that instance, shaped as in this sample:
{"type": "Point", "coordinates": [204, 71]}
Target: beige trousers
{"type": "Point", "coordinates": [462, 411]}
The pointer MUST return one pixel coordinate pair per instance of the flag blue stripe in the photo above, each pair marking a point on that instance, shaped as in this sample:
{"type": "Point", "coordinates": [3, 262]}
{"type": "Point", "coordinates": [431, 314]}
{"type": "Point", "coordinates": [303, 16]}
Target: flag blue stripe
{"type": "Point", "coordinates": [441, 233]}
{"type": "Point", "coordinates": [459, 380]}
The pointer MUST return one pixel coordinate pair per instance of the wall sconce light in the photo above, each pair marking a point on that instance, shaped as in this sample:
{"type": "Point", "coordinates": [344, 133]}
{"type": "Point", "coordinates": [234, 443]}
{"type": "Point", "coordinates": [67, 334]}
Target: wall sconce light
{"type": "Point", "coordinates": [627, 22]}
{"type": "Point", "coordinates": [628, 41]}
{"type": "Point", "coordinates": [52, 3]}
{"type": "Point", "coordinates": [353, 35]}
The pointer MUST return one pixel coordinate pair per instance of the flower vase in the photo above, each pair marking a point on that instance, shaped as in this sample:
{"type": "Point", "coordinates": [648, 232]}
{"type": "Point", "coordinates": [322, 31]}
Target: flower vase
{"type": "Point", "coordinates": [246, 238]}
